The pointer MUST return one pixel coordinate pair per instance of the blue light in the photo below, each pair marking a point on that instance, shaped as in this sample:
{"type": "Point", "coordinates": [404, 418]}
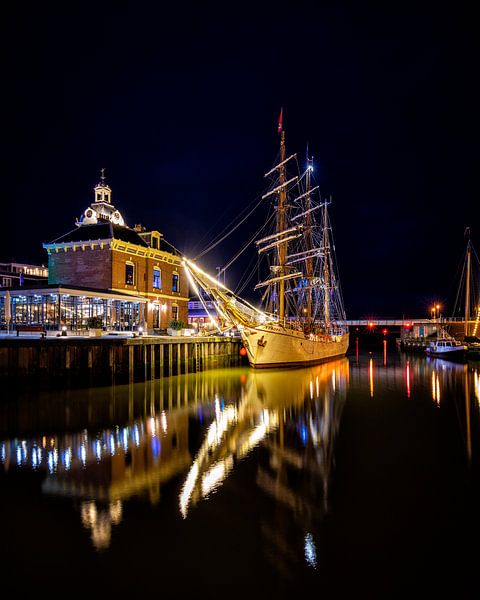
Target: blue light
{"type": "Point", "coordinates": [67, 459]}
{"type": "Point", "coordinates": [125, 439]}
{"type": "Point", "coordinates": [156, 447]}
{"type": "Point", "coordinates": [304, 434]}
{"type": "Point", "coordinates": [98, 450]}
{"type": "Point", "coordinates": [310, 551]}
{"type": "Point", "coordinates": [34, 458]}
{"type": "Point", "coordinates": [51, 462]}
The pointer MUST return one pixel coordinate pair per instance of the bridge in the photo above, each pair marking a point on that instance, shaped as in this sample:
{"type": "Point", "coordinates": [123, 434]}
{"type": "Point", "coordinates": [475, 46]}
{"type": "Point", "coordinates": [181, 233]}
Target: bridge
{"type": "Point", "coordinates": [379, 322]}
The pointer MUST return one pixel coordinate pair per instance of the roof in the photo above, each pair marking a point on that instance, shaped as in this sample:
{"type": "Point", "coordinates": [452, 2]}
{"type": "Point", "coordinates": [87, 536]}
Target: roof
{"type": "Point", "coordinates": [101, 231]}
{"type": "Point", "coordinates": [73, 290]}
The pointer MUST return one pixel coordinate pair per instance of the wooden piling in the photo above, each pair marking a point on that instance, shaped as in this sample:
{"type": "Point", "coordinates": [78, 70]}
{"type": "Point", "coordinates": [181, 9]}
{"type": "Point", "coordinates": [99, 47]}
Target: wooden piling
{"type": "Point", "coordinates": [84, 361]}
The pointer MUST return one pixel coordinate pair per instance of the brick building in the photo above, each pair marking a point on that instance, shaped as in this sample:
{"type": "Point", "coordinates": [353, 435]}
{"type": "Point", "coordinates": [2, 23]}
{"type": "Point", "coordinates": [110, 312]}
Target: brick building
{"type": "Point", "coordinates": [126, 277]}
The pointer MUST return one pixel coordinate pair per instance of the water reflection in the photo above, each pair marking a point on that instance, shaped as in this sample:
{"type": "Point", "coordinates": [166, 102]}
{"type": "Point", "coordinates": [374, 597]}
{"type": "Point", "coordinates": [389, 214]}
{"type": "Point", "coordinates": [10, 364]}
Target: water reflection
{"type": "Point", "coordinates": [237, 470]}
{"type": "Point", "coordinates": [289, 412]}
{"type": "Point", "coordinates": [198, 427]}
{"type": "Point", "coordinates": [177, 444]}
{"type": "Point", "coordinates": [454, 383]}
{"type": "Point", "coordinates": [407, 378]}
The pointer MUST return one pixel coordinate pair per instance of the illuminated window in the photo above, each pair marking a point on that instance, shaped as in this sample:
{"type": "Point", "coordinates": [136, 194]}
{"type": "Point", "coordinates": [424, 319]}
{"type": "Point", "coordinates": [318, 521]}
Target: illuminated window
{"type": "Point", "coordinates": [174, 312]}
{"type": "Point", "coordinates": [130, 274]}
{"type": "Point", "coordinates": [174, 282]}
{"type": "Point", "coordinates": [157, 278]}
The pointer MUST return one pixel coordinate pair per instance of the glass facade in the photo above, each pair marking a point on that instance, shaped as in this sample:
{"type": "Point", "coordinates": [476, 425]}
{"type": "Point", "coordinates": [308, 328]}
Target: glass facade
{"type": "Point", "coordinates": [55, 310]}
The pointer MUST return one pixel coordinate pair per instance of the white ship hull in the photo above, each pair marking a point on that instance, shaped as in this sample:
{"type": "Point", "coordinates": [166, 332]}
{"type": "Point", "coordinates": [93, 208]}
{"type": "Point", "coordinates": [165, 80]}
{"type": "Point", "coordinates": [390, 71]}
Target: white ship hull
{"type": "Point", "coordinates": [276, 346]}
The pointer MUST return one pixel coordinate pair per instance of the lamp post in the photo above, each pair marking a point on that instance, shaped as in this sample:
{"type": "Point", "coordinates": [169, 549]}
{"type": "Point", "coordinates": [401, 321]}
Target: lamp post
{"type": "Point", "coordinates": [435, 311]}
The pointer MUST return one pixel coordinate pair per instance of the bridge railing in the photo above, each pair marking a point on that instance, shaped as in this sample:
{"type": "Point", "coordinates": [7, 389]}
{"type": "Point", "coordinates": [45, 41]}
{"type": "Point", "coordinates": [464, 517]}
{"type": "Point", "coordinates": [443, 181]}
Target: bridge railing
{"type": "Point", "coordinates": [403, 322]}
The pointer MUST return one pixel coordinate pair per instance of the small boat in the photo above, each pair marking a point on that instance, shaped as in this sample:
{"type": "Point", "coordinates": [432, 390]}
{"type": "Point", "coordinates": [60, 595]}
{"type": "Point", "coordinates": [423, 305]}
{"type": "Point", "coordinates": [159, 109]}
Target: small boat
{"type": "Point", "coordinates": [473, 345]}
{"type": "Point", "coordinates": [445, 347]}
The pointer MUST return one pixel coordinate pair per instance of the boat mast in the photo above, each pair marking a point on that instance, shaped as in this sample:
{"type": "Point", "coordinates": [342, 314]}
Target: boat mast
{"type": "Point", "coordinates": [308, 240]}
{"type": "Point", "coordinates": [326, 271]}
{"type": "Point", "coordinates": [467, 286]}
{"type": "Point", "coordinates": [282, 247]}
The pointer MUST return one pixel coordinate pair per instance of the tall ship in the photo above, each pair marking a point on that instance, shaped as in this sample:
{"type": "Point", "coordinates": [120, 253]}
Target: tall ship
{"type": "Point", "coordinates": [302, 319]}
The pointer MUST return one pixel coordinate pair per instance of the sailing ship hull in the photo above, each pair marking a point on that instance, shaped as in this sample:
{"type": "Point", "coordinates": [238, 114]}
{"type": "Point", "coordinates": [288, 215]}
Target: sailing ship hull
{"type": "Point", "coordinates": [269, 347]}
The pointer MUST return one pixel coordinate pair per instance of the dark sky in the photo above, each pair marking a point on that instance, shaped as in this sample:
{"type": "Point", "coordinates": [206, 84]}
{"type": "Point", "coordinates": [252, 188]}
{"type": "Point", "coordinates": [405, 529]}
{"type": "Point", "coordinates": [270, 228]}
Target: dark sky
{"type": "Point", "coordinates": [180, 103]}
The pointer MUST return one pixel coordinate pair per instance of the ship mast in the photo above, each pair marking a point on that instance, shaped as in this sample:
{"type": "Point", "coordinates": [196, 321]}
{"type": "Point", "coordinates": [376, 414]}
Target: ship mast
{"type": "Point", "coordinates": [467, 286]}
{"type": "Point", "coordinates": [282, 247]}
{"type": "Point", "coordinates": [309, 241]}
{"type": "Point", "coordinates": [326, 269]}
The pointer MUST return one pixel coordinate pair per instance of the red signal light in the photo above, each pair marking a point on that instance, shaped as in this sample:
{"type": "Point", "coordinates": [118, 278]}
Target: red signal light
{"type": "Point", "coordinates": [243, 351]}
{"type": "Point", "coordinates": [385, 331]}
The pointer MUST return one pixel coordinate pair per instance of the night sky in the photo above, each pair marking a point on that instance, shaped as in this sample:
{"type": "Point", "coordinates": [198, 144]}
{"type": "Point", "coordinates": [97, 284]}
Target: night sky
{"type": "Point", "coordinates": [180, 104]}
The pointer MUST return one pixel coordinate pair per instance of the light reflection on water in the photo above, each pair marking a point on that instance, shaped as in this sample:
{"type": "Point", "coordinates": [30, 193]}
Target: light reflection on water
{"type": "Point", "coordinates": [175, 445]}
{"type": "Point", "coordinates": [294, 414]}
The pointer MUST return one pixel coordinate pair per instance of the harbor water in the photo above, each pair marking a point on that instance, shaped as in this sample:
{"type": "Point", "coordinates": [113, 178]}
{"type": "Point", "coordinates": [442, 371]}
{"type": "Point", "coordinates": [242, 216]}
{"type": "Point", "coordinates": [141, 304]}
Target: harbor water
{"type": "Point", "coordinates": [359, 475]}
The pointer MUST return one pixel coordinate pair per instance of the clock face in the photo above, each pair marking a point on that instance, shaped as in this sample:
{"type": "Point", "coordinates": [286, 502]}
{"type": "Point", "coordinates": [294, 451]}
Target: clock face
{"type": "Point", "coordinates": [89, 213]}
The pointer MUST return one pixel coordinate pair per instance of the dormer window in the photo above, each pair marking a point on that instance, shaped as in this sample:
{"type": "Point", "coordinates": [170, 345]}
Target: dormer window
{"type": "Point", "coordinates": [99, 197]}
{"type": "Point", "coordinates": [154, 240]}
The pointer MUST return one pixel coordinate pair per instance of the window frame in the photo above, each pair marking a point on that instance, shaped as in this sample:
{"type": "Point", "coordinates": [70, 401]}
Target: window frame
{"type": "Point", "coordinates": [159, 271]}
{"type": "Point", "coordinates": [132, 265]}
{"type": "Point", "coordinates": [175, 279]}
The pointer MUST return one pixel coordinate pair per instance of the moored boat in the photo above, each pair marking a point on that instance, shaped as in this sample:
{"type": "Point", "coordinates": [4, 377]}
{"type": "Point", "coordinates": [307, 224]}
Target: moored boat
{"type": "Point", "coordinates": [446, 348]}
{"type": "Point", "coordinates": [302, 321]}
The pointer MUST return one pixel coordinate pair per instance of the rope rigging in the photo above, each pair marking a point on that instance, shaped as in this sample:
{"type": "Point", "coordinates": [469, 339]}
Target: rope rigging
{"type": "Point", "coordinates": [230, 231]}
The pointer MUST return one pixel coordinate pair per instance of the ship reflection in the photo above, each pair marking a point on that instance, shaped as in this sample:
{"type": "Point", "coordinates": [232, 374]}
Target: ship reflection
{"type": "Point", "coordinates": [195, 428]}
{"type": "Point", "coordinates": [293, 414]}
